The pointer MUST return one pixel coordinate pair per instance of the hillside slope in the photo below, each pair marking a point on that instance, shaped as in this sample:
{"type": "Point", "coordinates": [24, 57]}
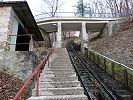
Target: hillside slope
{"type": "Point", "coordinates": [9, 86]}
{"type": "Point", "coordinates": [118, 47]}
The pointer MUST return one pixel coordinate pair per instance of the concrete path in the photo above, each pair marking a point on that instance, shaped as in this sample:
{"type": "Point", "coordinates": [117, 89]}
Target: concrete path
{"type": "Point", "coordinates": [59, 80]}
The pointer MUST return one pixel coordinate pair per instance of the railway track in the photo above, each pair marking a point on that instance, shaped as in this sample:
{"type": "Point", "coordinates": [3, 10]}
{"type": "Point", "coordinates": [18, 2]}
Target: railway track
{"type": "Point", "coordinates": [94, 86]}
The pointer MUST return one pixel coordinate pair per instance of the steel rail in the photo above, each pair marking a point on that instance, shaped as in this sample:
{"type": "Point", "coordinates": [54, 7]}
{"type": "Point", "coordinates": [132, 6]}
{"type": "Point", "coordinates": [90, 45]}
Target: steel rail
{"type": "Point", "coordinates": [107, 90]}
{"type": "Point", "coordinates": [72, 61]}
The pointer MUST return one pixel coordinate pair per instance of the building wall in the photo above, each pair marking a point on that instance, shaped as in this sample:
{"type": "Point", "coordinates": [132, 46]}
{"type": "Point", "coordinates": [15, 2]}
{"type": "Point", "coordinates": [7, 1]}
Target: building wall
{"type": "Point", "coordinates": [5, 27]}
{"type": "Point", "coordinates": [8, 26]}
{"type": "Point", "coordinates": [46, 37]}
{"type": "Point", "coordinates": [18, 63]}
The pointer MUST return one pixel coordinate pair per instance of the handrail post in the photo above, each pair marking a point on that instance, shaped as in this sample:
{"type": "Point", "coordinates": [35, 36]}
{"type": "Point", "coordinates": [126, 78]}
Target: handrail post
{"type": "Point", "coordinates": [48, 61]}
{"type": "Point", "coordinates": [30, 43]}
{"type": "Point", "coordinates": [53, 48]}
{"type": "Point", "coordinates": [37, 82]}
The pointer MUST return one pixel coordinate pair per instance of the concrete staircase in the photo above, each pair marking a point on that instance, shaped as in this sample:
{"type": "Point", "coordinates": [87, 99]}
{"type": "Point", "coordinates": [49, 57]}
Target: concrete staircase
{"type": "Point", "coordinates": [59, 80]}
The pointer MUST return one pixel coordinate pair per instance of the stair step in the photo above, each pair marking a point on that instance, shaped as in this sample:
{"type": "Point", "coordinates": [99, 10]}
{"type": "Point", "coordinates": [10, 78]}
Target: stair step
{"type": "Point", "coordinates": [59, 84]}
{"type": "Point", "coordinates": [57, 72]}
{"type": "Point", "coordinates": [57, 79]}
{"type": "Point", "coordinates": [59, 91]}
{"type": "Point", "coordinates": [60, 97]}
{"type": "Point", "coordinates": [60, 65]}
{"type": "Point", "coordinates": [59, 75]}
{"type": "Point", "coordinates": [60, 62]}
{"type": "Point", "coordinates": [59, 68]}
{"type": "Point", "coordinates": [53, 76]}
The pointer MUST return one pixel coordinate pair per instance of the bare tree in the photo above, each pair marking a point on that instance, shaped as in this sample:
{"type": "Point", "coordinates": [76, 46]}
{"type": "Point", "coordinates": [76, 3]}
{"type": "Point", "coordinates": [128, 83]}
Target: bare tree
{"type": "Point", "coordinates": [127, 7]}
{"type": "Point", "coordinates": [84, 8]}
{"type": "Point", "coordinates": [120, 8]}
{"type": "Point", "coordinates": [95, 8]}
{"type": "Point", "coordinates": [80, 8]}
{"type": "Point", "coordinates": [52, 6]}
{"type": "Point", "coordinates": [131, 6]}
{"type": "Point", "coordinates": [99, 8]}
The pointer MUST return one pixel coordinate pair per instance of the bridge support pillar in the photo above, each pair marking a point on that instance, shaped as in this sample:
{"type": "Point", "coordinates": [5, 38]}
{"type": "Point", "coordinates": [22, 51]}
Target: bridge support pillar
{"type": "Point", "coordinates": [110, 28]}
{"type": "Point", "coordinates": [82, 35]}
{"type": "Point", "coordinates": [59, 35]}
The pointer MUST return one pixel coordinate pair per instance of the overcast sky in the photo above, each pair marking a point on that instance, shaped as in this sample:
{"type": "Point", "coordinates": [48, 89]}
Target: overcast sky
{"type": "Point", "coordinates": [36, 5]}
{"type": "Point", "coordinates": [66, 7]}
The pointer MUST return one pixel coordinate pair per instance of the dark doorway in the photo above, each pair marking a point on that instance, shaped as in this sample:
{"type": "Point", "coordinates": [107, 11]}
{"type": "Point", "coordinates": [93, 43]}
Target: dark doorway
{"type": "Point", "coordinates": [22, 43]}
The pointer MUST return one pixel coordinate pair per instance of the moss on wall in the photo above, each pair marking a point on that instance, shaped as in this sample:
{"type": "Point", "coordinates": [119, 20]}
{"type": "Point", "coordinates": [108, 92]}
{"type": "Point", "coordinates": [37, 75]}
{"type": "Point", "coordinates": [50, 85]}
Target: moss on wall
{"type": "Point", "coordinates": [118, 71]}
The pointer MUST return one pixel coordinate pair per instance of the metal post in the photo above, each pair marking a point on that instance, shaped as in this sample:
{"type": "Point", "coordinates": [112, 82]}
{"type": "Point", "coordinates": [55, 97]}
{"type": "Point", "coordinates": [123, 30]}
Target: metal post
{"type": "Point", "coordinates": [53, 48]}
{"type": "Point", "coordinates": [48, 61]}
{"type": "Point", "coordinates": [94, 57]}
{"type": "Point", "coordinates": [126, 78]}
{"type": "Point", "coordinates": [113, 73]}
{"type": "Point", "coordinates": [37, 84]}
{"type": "Point", "coordinates": [105, 64]}
{"type": "Point", "coordinates": [98, 60]}
{"type": "Point", "coordinates": [30, 44]}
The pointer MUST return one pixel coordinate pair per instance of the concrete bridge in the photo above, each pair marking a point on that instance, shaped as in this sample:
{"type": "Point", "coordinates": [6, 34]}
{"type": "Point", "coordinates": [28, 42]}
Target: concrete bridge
{"type": "Point", "coordinates": [83, 25]}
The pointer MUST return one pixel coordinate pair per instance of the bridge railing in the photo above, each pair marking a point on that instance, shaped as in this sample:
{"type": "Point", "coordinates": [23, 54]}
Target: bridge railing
{"type": "Point", "coordinates": [118, 71]}
{"type": "Point", "coordinates": [72, 14]}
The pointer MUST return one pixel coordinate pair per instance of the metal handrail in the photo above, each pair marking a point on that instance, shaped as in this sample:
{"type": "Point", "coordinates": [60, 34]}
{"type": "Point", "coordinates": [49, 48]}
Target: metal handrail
{"type": "Point", "coordinates": [35, 72]}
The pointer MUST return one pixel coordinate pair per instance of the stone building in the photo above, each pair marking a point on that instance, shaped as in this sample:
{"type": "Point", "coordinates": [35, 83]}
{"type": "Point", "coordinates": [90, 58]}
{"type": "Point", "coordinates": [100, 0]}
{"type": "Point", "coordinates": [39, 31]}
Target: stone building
{"type": "Point", "coordinates": [17, 25]}
{"type": "Point", "coordinates": [19, 34]}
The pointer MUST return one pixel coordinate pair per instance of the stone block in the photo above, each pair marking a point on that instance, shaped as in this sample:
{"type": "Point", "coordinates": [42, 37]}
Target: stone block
{"type": "Point", "coordinates": [18, 64]}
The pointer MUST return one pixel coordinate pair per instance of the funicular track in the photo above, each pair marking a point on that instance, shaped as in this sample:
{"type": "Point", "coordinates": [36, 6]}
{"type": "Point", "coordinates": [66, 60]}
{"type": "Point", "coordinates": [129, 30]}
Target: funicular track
{"type": "Point", "coordinates": [93, 84]}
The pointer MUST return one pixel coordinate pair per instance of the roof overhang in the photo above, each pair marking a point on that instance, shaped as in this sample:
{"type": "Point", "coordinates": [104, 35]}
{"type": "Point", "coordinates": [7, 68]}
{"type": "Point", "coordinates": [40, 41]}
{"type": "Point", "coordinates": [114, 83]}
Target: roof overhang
{"type": "Point", "coordinates": [23, 11]}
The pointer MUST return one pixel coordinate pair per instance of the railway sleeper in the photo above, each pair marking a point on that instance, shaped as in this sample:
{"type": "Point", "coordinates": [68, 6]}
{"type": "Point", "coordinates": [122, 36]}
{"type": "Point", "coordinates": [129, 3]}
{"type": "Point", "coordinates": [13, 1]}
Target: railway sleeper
{"type": "Point", "coordinates": [118, 89]}
{"type": "Point", "coordinates": [93, 87]}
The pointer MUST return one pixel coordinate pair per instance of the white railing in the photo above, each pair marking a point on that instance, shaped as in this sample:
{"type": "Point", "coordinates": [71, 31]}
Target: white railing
{"type": "Point", "coordinates": [72, 14]}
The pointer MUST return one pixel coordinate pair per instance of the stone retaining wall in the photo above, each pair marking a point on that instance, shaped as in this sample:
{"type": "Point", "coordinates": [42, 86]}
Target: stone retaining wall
{"type": "Point", "coordinates": [46, 37]}
{"type": "Point", "coordinates": [19, 64]}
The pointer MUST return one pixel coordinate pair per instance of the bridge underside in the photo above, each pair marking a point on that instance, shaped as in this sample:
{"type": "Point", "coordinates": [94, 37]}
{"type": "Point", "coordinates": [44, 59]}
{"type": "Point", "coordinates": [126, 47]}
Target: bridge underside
{"type": "Point", "coordinates": [53, 27]}
{"type": "Point", "coordinates": [83, 25]}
